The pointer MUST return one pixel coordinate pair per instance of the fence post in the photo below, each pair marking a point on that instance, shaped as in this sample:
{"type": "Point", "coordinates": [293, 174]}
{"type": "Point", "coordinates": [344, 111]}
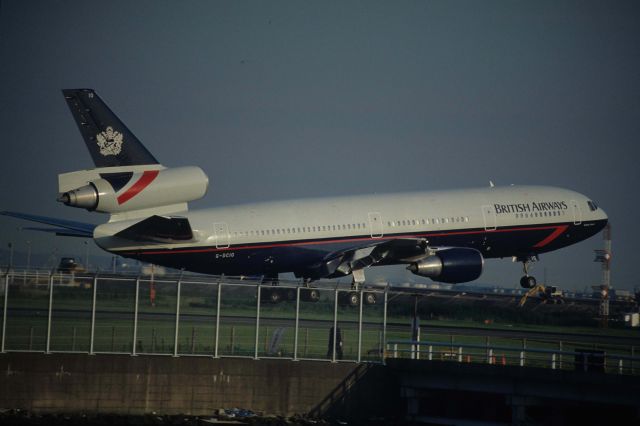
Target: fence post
{"type": "Point", "coordinates": [553, 361]}
{"type": "Point", "coordinates": [232, 339]}
{"type": "Point", "coordinates": [487, 350]}
{"type": "Point", "coordinates": [296, 331]}
{"type": "Point", "coordinates": [255, 355]}
{"type": "Point", "coordinates": [48, 345]}
{"type": "Point", "coordinates": [384, 322]}
{"type": "Point", "coordinates": [430, 352]}
{"type": "Point", "coordinates": [523, 352]}
{"type": "Point", "coordinates": [360, 325]}
{"type": "Point", "coordinates": [560, 356]}
{"type": "Point", "coordinates": [620, 366]}
{"type": "Point", "coordinates": [459, 353]}
{"type": "Point", "coordinates": [335, 323]}
{"type": "Point", "coordinates": [4, 311]}
{"type": "Point", "coordinates": [135, 318]}
{"type": "Point", "coordinates": [93, 314]}
{"type": "Point", "coordinates": [215, 351]}
{"type": "Point", "coordinates": [175, 340]}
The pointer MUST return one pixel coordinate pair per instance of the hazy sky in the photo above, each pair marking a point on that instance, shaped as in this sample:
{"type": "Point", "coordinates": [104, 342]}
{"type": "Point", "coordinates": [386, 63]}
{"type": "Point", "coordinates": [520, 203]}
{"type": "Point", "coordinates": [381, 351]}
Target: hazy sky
{"type": "Point", "coordinates": [280, 100]}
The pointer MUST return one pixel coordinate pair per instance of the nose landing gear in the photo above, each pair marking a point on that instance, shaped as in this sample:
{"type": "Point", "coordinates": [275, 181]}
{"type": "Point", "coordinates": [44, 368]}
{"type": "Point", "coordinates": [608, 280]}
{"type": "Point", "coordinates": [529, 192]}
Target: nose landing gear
{"type": "Point", "coordinates": [527, 281]}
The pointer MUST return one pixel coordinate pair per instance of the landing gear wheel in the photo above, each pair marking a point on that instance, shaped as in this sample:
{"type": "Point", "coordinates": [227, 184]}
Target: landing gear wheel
{"type": "Point", "coordinates": [310, 294]}
{"type": "Point", "coordinates": [271, 295]}
{"type": "Point", "coordinates": [290, 294]}
{"type": "Point", "coordinates": [351, 299]}
{"type": "Point", "coordinates": [528, 281]}
{"type": "Point", "coordinates": [370, 299]}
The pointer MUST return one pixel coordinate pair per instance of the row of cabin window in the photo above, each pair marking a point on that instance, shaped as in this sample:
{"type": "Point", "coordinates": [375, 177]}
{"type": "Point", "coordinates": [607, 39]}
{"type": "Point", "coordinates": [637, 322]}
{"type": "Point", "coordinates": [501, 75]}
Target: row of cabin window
{"type": "Point", "coordinates": [541, 214]}
{"type": "Point", "coordinates": [281, 231]}
{"type": "Point", "coordinates": [432, 221]}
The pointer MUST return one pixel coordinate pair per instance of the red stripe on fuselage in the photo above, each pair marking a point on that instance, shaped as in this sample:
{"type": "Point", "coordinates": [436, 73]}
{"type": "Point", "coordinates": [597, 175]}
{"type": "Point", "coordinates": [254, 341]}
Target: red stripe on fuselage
{"type": "Point", "coordinates": [349, 240]}
{"type": "Point", "coordinates": [144, 181]}
{"type": "Point", "coordinates": [555, 234]}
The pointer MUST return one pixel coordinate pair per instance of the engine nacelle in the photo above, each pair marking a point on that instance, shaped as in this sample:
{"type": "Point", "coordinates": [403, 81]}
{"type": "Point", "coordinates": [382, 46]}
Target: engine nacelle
{"type": "Point", "coordinates": [127, 191]}
{"type": "Point", "coordinates": [454, 265]}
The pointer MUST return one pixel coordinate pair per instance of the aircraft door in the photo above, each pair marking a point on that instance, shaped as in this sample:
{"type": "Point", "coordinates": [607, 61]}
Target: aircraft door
{"type": "Point", "coordinates": [222, 234]}
{"type": "Point", "coordinates": [375, 225]}
{"type": "Point", "coordinates": [577, 214]}
{"type": "Point", "coordinates": [489, 216]}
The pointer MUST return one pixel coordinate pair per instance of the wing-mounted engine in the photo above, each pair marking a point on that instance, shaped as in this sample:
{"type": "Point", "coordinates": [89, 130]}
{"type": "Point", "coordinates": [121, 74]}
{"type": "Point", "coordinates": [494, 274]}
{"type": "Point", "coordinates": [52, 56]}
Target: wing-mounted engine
{"type": "Point", "coordinates": [125, 189]}
{"type": "Point", "coordinates": [450, 265]}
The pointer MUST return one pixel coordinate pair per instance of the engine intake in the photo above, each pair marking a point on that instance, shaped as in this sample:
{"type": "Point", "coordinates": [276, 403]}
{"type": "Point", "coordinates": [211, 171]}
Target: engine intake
{"type": "Point", "coordinates": [454, 265]}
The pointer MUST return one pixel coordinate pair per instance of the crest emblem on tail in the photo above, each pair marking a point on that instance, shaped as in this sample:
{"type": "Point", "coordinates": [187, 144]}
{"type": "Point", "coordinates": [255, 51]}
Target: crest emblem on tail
{"type": "Point", "coordinates": [109, 141]}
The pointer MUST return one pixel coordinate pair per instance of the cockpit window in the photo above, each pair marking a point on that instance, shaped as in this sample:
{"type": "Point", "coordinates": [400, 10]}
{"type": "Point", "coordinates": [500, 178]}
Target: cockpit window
{"type": "Point", "coordinates": [592, 206]}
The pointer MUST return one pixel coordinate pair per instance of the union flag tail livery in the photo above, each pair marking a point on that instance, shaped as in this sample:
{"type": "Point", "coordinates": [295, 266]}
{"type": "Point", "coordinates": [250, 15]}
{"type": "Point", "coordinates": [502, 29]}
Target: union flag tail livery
{"type": "Point", "coordinates": [442, 235]}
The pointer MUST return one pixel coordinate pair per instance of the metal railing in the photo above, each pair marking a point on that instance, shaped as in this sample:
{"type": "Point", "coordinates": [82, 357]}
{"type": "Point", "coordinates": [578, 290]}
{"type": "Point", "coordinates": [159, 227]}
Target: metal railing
{"type": "Point", "coordinates": [184, 315]}
{"type": "Point", "coordinates": [592, 360]}
{"type": "Point", "coordinates": [194, 315]}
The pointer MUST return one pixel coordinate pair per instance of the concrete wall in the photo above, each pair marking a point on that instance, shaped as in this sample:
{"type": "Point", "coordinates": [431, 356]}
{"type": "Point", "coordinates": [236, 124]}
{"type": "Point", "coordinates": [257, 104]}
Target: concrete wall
{"type": "Point", "coordinates": [185, 385]}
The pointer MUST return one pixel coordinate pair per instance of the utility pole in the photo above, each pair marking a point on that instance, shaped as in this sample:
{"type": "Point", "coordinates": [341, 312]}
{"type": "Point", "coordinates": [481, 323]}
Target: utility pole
{"type": "Point", "coordinates": [604, 256]}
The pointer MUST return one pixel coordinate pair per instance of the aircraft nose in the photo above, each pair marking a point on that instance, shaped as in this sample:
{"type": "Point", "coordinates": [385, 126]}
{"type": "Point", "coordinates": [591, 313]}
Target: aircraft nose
{"type": "Point", "coordinates": [605, 217]}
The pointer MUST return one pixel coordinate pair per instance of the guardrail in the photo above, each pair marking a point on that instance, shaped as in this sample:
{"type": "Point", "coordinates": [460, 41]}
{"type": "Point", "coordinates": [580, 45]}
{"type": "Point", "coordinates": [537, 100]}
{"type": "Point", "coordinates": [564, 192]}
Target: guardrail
{"type": "Point", "coordinates": [195, 315]}
{"type": "Point", "coordinates": [592, 360]}
{"type": "Point", "coordinates": [186, 316]}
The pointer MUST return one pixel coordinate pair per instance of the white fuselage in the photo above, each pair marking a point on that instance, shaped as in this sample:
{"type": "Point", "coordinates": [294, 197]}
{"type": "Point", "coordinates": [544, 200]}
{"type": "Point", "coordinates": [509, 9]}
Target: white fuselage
{"type": "Point", "coordinates": [498, 221]}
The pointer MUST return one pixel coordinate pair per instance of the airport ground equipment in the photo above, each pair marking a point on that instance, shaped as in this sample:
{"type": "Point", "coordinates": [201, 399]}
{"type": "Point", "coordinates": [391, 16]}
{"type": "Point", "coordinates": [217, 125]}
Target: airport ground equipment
{"type": "Point", "coordinates": [548, 294]}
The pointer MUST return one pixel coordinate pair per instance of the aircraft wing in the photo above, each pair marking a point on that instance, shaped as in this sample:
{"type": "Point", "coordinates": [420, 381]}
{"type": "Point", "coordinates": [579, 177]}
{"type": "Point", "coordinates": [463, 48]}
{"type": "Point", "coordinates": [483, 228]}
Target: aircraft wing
{"type": "Point", "coordinates": [65, 227]}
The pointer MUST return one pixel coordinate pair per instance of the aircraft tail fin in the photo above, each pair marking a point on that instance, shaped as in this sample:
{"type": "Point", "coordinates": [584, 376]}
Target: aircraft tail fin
{"type": "Point", "coordinates": [110, 142]}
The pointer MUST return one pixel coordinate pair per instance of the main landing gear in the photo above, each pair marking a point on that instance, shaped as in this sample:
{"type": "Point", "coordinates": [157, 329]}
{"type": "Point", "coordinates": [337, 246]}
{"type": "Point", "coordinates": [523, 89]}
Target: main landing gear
{"type": "Point", "coordinates": [352, 297]}
{"type": "Point", "coordinates": [271, 292]}
{"type": "Point", "coordinates": [527, 281]}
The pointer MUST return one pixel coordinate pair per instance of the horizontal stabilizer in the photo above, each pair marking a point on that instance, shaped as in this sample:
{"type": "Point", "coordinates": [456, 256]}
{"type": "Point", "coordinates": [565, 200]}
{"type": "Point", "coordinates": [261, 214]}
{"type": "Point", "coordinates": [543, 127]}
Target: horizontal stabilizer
{"type": "Point", "coordinates": [66, 227]}
{"type": "Point", "coordinates": [158, 228]}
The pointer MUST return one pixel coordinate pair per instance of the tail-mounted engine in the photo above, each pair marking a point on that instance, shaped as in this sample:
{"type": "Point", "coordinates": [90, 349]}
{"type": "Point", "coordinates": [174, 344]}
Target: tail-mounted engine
{"type": "Point", "coordinates": [454, 265]}
{"type": "Point", "coordinates": [110, 190]}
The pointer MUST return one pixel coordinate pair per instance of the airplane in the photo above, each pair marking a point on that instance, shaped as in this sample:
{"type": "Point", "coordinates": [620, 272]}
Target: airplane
{"type": "Point", "coordinates": [442, 235]}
